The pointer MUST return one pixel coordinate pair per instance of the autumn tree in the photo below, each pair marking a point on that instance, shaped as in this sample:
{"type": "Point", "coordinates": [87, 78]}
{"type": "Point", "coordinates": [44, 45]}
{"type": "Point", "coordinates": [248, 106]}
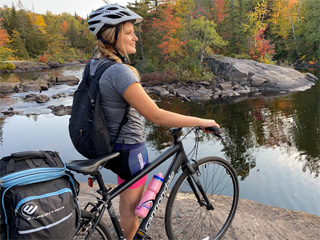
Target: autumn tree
{"type": "Point", "coordinates": [204, 37]}
{"type": "Point", "coordinates": [286, 28]}
{"type": "Point", "coordinates": [35, 37]}
{"type": "Point", "coordinates": [219, 10]}
{"type": "Point", "coordinates": [10, 19]}
{"type": "Point", "coordinates": [18, 47]}
{"type": "Point", "coordinates": [230, 15]}
{"type": "Point", "coordinates": [87, 40]}
{"type": "Point", "coordinates": [169, 25]}
{"type": "Point", "coordinates": [259, 48]}
{"type": "Point", "coordinates": [72, 34]}
{"type": "Point", "coordinates": [54, 36]}
{"type": "Point", "coordinates": [5, 52]}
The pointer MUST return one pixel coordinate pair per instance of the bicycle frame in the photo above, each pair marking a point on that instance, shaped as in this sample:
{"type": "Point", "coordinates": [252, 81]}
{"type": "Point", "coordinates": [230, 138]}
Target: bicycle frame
{"type": "Point", "coordinates": [180, 159]}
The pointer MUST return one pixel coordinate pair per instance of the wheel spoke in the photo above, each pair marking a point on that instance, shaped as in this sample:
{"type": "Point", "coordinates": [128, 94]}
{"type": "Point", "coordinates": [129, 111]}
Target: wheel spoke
{"type": "Point", "coordinates": [101, 231]}
{"type": "Point", "coordinates": [186, 217]}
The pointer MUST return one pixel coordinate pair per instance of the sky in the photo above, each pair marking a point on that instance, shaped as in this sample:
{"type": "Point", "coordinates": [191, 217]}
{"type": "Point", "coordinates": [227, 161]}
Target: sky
{"type": "Point", "coordinates": [81, 7]}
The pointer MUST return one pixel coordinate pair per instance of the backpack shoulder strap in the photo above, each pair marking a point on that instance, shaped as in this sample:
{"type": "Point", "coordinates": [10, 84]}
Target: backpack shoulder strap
{"type": "Point", "coordinates": [102, 68]}
{"type": "Point", "coordinates": [123, 122]}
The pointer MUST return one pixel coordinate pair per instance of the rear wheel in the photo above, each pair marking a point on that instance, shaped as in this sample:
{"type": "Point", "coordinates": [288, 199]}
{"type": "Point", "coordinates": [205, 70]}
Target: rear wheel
{"type": "Point", "coordinates": [188, 218]}
{"type": "Point", "coordinates": [101, 231]}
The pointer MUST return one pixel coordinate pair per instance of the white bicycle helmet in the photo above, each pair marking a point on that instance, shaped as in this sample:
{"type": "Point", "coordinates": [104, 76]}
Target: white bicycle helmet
{"type": "Point", "coordinates": [111, 15]}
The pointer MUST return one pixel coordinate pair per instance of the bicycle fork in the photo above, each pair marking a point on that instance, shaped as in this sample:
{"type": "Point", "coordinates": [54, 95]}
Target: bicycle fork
{"type": "Point", "coordinates": [195, 179]}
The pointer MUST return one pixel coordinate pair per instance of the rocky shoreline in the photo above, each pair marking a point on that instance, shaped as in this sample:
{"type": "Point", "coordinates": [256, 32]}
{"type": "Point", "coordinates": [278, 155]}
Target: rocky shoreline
{"type": "Point", "coordinates": [253, 220]}
{"type": "Point", "coordinates": [28, 66]}
{"type": "Point", "coordinates": [234, 79]}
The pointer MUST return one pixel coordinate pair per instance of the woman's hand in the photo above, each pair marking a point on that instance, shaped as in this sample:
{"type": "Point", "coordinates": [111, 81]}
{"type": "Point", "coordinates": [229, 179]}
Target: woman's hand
{"type": "Point", "coordinates": [204, 123]}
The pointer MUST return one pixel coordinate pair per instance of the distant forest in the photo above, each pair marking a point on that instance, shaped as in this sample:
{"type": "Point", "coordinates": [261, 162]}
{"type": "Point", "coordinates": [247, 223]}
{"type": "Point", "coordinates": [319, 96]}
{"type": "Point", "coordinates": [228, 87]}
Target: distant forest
{"type": "Point", "coordinates": [176, 35]}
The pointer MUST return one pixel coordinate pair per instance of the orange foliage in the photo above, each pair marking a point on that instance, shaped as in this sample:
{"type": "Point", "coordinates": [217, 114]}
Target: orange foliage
{"type": "Point", "coordinates": [219, 11]}
{"type": "Point", "coordinates": [4, 36]}
{"type": "Point", "coordinates": [262, 47]}
{"type": "Point", "coordinates": [64, 26]}
{"type": "Point", "coordinates": [43, 58]}
{"type": "Point", "coordinates": [169, 25]}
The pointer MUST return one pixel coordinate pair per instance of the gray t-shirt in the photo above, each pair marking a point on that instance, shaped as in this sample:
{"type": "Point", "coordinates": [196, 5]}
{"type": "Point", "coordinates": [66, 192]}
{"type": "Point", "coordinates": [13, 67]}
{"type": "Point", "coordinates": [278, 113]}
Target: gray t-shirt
{"type": "Point", "coordinates": [113, 83]}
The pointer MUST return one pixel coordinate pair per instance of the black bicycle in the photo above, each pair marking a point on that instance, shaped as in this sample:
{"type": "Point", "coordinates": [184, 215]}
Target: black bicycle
{"type": "Point", "coordinates": [208, 189]}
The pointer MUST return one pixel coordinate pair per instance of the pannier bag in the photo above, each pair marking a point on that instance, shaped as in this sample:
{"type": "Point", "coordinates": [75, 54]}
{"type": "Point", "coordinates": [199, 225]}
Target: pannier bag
{"type": "Point", "coordinates": [38, 196]}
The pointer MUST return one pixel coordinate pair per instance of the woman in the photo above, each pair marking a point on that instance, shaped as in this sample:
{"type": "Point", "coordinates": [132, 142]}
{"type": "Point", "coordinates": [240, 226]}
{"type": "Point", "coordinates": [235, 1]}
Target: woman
{"type": "Point", "coordinates": [119, 86]}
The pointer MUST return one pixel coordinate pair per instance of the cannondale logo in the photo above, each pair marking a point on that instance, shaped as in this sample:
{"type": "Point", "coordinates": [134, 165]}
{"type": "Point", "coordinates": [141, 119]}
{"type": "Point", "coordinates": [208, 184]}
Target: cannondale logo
{"type": "Point", "coordinates": [29, 209]}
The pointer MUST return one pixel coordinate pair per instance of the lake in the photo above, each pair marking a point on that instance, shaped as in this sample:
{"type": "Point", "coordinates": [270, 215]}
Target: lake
{"type": "Point", "coordinates": [273, 143]}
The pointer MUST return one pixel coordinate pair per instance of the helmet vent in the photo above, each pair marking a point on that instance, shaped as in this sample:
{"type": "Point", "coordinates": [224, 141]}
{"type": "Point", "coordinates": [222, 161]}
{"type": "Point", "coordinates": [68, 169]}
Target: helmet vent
{"type": "Point", "coordinates": [125, 13]}
{"type": "Point", "coordinates": [112, 16]}
{"type": "Point", "coordinates": [94, 22]}
{"type": "Point", "coordinates": [94, 15]}
{"type": "Point", "coordinates": [112, 8]}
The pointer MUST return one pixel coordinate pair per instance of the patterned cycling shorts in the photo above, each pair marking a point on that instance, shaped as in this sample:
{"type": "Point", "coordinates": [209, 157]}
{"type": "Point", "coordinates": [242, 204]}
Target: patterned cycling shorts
{"type": "Point", "coordinates": [133, 158]}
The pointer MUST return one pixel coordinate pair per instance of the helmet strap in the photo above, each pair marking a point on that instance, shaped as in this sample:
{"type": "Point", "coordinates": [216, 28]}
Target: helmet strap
{"type": "Point", "coordinates": [123, 60]}
{"type": "Point", "coordinates": [114, 45]}
{"type": "Point", "coordinates": [116, 33]}
{"type": "Point", "coordinates": [104, 41]}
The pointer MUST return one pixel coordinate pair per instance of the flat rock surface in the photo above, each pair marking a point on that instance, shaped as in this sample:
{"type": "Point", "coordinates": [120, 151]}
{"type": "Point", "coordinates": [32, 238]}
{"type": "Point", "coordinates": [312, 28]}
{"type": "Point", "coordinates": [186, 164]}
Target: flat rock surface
{"type": "Point", "coordinates": [252, 221]}
{"type": "Point", "coordinates": [267, 77]}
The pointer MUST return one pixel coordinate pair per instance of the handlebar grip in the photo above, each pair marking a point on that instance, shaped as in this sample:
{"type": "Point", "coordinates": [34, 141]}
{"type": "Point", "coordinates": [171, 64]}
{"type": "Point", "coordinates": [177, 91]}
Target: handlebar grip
{"type": "Point", "coordinates": [215, 130]}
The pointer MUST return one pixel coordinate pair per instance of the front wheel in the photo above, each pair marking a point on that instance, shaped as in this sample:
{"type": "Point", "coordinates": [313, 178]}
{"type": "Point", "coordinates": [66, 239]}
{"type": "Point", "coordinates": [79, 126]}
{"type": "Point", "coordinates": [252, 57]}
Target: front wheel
{"type": "Point", "coordinates": [101, 231]}
{"type": "Point", "coordinates": [188, 218]}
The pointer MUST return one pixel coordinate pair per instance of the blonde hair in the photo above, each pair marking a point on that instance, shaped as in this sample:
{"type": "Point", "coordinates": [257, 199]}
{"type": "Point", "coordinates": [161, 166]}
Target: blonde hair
{"type": "Point", "coordinates": [106, 50]}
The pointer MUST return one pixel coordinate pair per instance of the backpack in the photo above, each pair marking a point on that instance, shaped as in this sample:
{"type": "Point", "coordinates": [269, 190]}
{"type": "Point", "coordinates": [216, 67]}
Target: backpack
{"type": "Point", "coordinates": [38, 197]}
{"type": "Point", "coordinates": [88, 128]}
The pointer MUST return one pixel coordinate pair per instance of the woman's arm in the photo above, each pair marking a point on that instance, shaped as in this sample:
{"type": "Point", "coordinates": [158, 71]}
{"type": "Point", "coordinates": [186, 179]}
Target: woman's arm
{"type": "Point", "coordinates": [140, 100]}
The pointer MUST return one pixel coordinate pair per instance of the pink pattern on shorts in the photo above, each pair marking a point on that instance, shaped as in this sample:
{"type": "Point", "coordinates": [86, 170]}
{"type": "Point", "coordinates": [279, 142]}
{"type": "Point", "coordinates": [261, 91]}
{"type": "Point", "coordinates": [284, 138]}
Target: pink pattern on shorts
{"type": "Point", "coordinates": [136, 184]}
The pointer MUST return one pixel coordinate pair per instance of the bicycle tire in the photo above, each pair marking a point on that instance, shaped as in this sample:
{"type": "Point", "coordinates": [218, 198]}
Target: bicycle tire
{"type": "Point", "coordinates": [190, 220]}
{"type": "Point", "coordinates": [101, 231]}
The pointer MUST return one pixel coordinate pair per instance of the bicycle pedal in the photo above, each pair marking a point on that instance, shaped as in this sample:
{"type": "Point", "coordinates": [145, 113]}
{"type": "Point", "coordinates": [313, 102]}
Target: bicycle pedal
{"type": "Point", "coordinates": [143, 234]}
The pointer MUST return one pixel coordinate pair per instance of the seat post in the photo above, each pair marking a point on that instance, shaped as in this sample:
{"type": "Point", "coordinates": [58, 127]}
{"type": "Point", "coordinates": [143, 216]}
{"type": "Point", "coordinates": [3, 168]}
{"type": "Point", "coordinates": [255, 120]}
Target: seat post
{"type": "Point", "coordinates": [102, 187]}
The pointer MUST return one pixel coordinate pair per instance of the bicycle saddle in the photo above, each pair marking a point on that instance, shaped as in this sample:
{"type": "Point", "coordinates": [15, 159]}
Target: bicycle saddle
{"type": "Point", "coordinates": [90, 166]}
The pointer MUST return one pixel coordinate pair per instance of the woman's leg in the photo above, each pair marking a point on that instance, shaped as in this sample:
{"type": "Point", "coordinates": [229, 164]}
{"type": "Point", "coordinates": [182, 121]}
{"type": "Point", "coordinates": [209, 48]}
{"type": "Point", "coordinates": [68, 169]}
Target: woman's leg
{"type": "Point", "coordinates": [130, 162]}
{"type": "Point", "coordinates": [129, 221]}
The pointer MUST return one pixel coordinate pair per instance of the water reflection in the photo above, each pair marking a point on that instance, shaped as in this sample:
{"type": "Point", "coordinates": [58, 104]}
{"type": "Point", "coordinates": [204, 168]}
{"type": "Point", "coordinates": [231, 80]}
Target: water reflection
{"type": "Point", "coordinates": [290, 122]}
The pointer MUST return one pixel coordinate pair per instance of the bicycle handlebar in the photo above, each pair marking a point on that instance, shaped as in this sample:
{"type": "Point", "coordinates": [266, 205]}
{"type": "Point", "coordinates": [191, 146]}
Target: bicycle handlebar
{"type": "Point", "coordinates": [214, 130]}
